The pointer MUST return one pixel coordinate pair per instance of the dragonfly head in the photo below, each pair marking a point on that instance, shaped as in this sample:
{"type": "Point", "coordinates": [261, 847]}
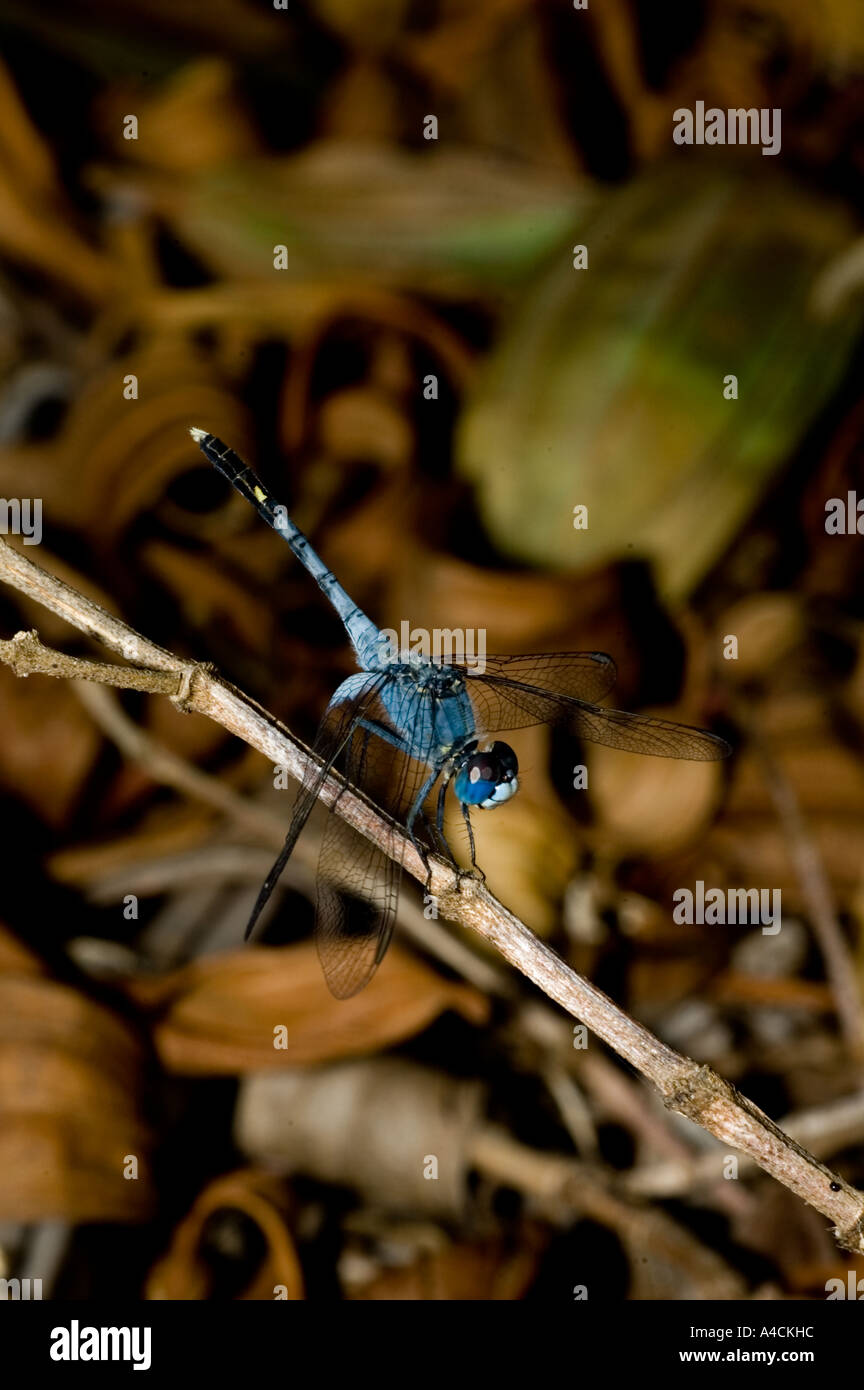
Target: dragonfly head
{"type": "Point", "coordinates": [487, 777]}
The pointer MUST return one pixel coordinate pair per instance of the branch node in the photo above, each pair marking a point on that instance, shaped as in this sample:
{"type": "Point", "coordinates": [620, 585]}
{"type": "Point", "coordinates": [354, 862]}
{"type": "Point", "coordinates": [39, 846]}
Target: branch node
{"type": "Point", "coordinates": [21, 649]}
{"type": "Point", "coordinates": [694, 1089]}
{"type": "Point", "coordinates": [189, 677]}
{"type": "Point", "coordinates": [852, 1237]}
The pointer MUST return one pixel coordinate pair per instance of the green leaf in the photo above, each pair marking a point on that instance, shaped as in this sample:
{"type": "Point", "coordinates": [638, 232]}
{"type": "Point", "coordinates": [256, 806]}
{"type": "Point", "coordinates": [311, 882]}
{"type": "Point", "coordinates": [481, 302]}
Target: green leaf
{"type": "Point", "coordinates": [606, 388]}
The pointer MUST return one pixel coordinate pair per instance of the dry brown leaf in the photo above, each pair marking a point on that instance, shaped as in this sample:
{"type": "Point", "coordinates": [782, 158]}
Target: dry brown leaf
{"type": "Point", "coordinates": [70, 1074]}
{"type": "Point", "coordinates": [733, 987]}
{"type": "Point", "coordinates": [15, 959]}
{"type": "Point", "coordinates": [368, 24]}
{"type": "Point", "coordinates": [49, 745]}
{"type": "Point", "coordinates": [651, 805]}
{"type": "Point", "coordinates": [116, 458]}
{"type": "Point", "coordinates": [363, 103]}
{"type": "Point", "coordinates": [768, 627]}
{"type": "Point", "coordinates": [785, 718]}
{"type": "Point", "coordinates": [35, 219]}
{"type": "Point", "coordinates": [165, 831]}
{"type": "Point", "coordinates": [833, 30]}
{"type": "Point", "coordinates": [193, 122]}
{"type": "Point", "coordinates": [516, 611]}
{"type": "Point", "coordinates": [755, 851]}
{"type": "Point", "coordinates": [220, 1016]}
{"type": "Point", "coordinates": [366, 424]}
{"type": "Point", "coordinates": [183, 1274]}
{"type": "Point", "coordinates": [489, 1271]}
{"type": "Point", "coordinates": [208, 596]}
{"type": "Point", "coordinates": [825, 776]}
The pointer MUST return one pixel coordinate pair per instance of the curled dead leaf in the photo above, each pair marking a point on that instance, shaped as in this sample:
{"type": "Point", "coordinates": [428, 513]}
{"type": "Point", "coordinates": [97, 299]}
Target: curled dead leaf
{"type": "Point", "coordinates": [184, 1272]}
{"type": "Point", "coordinates": [269, 1007]}
{"type": "Point", "coordinates": [365, 424]}
{"type": "Point", "coordinates": [124, 460]}
{"type": "Point", "coordinates": [70, 1075]}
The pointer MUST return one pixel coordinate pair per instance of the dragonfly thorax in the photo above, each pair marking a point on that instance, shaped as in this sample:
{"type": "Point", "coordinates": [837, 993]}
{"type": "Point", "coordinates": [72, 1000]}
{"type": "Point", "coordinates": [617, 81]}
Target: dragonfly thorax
{"type": "Point", "coordinates": [426, 677]}
{"type": "Point", "coordinates": [487, 776]}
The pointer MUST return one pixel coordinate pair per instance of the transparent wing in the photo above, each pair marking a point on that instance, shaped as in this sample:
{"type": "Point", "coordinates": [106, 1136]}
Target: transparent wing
{"type": "Point", "coordinates": [579, 675]}
{"type": "Point", "coordinates": [502, 704]}
{"type": "Point", "coordinates": [334, 732]}
{"type": "Point", "coordinates": [358, 881]}
{"type": "Point", "coordinates": [358, 894]}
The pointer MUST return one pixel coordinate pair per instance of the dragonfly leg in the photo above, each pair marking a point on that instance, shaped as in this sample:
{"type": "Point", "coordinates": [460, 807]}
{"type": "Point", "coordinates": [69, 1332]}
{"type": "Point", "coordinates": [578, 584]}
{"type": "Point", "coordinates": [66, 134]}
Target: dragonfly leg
{"type": "Point", "coordinates": [421, 850]}
{"type": "Point", "coordinates": [417, 811]}
{"type": "Point", "coordinates": [439, 823]}
{"type": "Point", "coordinates": [373, 727]}
{"type": "Point", "coordinates": [474, 872]}
{"type": "Point", "coordinates": [437, 838]}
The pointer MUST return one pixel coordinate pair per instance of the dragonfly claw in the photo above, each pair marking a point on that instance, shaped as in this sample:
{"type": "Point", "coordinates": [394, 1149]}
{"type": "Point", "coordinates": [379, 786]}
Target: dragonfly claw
{"type": "Point", "coordinates": [467, 874]}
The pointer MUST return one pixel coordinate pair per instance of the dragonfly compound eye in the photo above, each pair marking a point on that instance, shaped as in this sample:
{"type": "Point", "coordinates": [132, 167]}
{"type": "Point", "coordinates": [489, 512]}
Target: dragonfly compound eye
{"type": "Point", "coordinates": [488, 778]}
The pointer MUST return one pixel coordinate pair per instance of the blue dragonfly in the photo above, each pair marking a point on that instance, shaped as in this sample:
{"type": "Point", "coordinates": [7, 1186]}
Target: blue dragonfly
{"type": "Point", "coordinates": [404, 723]}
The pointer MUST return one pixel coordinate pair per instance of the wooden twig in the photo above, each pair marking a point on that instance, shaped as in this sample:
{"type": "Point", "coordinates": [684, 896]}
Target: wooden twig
{"type": "Point", "coordinates": [821, 911]}
{"type": "Point", "coordinates": [559, 1188]}
{"type": "Point", "coordinates": [28, 656]}
{"type": "Point", "coordinates": [173, 771]}
{"type": "Point", "coordinates": [685, 1086]}
{"type": "Point", "coordinates": [826, 1129]}
{"type": "Point", "coordinates": [162, 765]}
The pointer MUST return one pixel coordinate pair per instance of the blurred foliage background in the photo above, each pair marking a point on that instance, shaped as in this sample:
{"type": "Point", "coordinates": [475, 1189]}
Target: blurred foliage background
{"type": "Point", "coordinates": [149, 1032]}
